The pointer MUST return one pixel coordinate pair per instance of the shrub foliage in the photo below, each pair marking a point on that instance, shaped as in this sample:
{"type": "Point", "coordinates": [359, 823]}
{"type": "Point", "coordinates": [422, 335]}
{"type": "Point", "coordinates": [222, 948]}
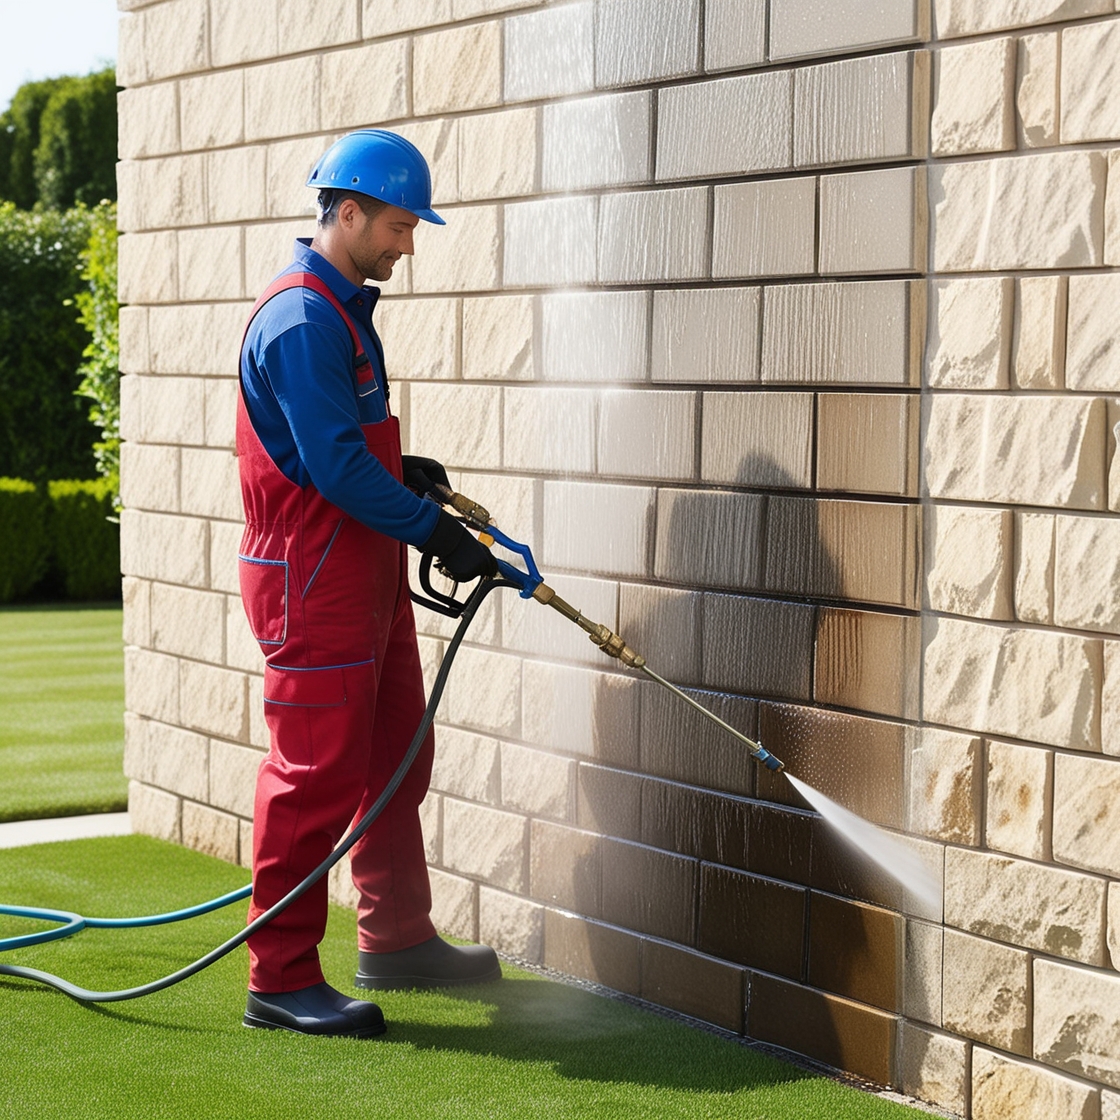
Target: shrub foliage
{"type": "Point", "coordinates": [23, 557]}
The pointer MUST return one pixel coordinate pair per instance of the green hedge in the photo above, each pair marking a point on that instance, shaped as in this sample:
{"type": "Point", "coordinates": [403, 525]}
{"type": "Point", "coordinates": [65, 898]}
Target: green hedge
{"type": "Point", "coordinates": [59, 545]}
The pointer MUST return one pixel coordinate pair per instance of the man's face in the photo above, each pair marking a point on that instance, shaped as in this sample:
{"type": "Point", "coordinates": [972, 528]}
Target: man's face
{"type": "Point", "coordinates": [376, 244]}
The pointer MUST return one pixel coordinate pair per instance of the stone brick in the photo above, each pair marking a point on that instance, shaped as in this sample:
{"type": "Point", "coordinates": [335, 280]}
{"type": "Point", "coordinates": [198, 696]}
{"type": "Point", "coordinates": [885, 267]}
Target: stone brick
{"type": "Point", "coordinates": [170, 410]}
{"type": "Point", "coordinates": [1002, 1017]}
{"type": "Point", "coordinates": [867, 660]}
{"type": "Point", "coordinates": [706, 334]}
{"type": "Point", "coordinates": [1028, 684]}
{"type": "Point", "coordinates": [654, 235]}
{"type": "Point", "coordinates": [454, 905]}
{"type": "Point", "coordinates": [855, 333]}
{"type": "Point", "coordinates": [1077, 1020]}
{"type": "Point", "coordinates": [1002, 1088]}
{"type": "Point", "coordinates": [439, 141]}
{"type": "Point", "coordinates": [151, 812]}
{"type": "Point", "coordinates": [874, 221]}
{"type": "Point", "coordinates": [364, 84]}
{"type": "Point", "coordinates": [650, 891]}
{"type": "Point", "coordinates": [644, 40]}
{"type": "Point", "coordinates": [213, 700]}
{"type": "Point", "coordinates": [133, 336]}
{"type": "Point", "coordinates": [1110, 700]}
{"type": "Point", "coordinates": [172, 191]}
{"type": "Point", "coordinates": [463, 256]}
{"type": "Point", "coordinates": [151, 684]}
{"type": "Point", "coordinates": [1036, 907]}
{"type": "Point", "coordinates": [972, 17]}
{"type": "Point", "coordinates": [734, 34]}
{"type": "Point", "coordinates": [1114, 925]}
{"type": "Point", "coordinates": [973, 110]}
{"type": "Point", "coordinates": [282, 98]}
{"type": "Point", "coordinates": [1020, 794]}
{"type": "Point", "coordinates": [132, 65]}
{"type": "Point", "coordinates": [1034, 567]}
{"type": "Point", "coordinates": [1092, 350]}
{"type": "Point", "coordinates": [934, 1067]}
{"type": "Point", "coordinates": [923, 965]}
{"type": "Point", "coordinates": [268, 248]}
{"type": "Point", "coordinates": [258, 730]}
{"type": "Point", "coordinates": [597, 952]}
{"type": "Point", "coordinates": [171, 759]}
{"type": "Point", "coordinates": [1087, 573]}
{"type": "Point", "coordinates": [431, 813]}
{"type": "Point", "coordinates": [455, 444]}
{"type": "Point", "coordinates": [1036, 91]}
{"type": "Point", "coordinates": [867, 443]}
{"type": "Point", "coordinates": [220, 402]}
{"type": "Point", "coordinates": [243, 33]}
{"type": "Point", "coordinates": [864, 551]}
{"type": "Point", "coordinates": [1087, 813]}
{"type": "Point", "coordinates": [765, 228]}
{"type": "Point", "coordinates": [457, 69]}
{"type": "Point", "coordinates": [150, 477]}
{"type": "Point", "coordinates": [512, 926]}
{"type": "Point", "coordinates": [970, 332]}
{"type": "Point", "coordinates": [550, 241]}
{"type": "Point", "coordinates": [968, 557]}
{"type": "Point", "coordinates": [211, 110]}
{"type": "Point", "coordinates": [944, 786]}
{"type": "Point", "coordinates": [623, 515]}
{"type": "Point", "coordinates": [609, 802]}
{"type": "Point", "coordinates": [1044, 210]}
{"type": "Point", "coordinates": [498, 153]}
{"type": "Point", "coordinates": [243, 651]}
{"type": "Point", "coordinates": [329, 24]}
{"type": "Point", "coordinates": [533, 439]}
{"type": "Point", "coordinates": [1090, 82]}
{"type": "Point", "coordinates": [156, 546]}
{"type": "Point", "coordinates": [148, 121]}
{"type": "Point", "coordinates": [420, 337]}
{"type": "Point", "coordinates": [861, 110]}
{"type": "Point", "coordinates": [210, 831]}
{"type": "Point", "coordinates": [210, 264]}
{"type": "Point", "coordinates": [550, 53]}
{"type": "Point", "coordinates": [1112, 211]}
{"type": "Point", "coordinates": [485, 843]}
{"type": "Point", "coordinates": [581, 712]}
{"type": "Point", "coordinates": [710, 539]}
{"type": "Point", "coordinates": [387, 17]}
{"type": "Point", "coordinates": [1030, 468]}
{"type": "Point", "coordinates": [855, 951]}
{"type": "Point", "coordinates": [196, 339]}
{"type": "Point", "coordinates": [696, 985]}
{"type": "Point", "coordinates": [729, 126]}
{"type": "Point", "coordinates": [546, 632]}
{"type": "Point", "coordinates": [647, 434]}
{"type": "Point", "coordinates": [225, 539]}
{"type": "Point", "coordinates": [536, 782]}
{"type": "Point", "coordinates": [235, 185]}
{"type": "Point", "coordinates": [662, 623]}
{"type": "Point", "coordinates": [1110, 1105]}
{"type": "Point", "coordinates": [187, 622]}
{"type": "Point", "coordinates": [137, 611]}
{"type": "Point", "coordinates": [801, 28]}
{"type": "Point", "coordinates": [757, 439]}
{"type": "Point", "coordinates": [175, 38]}
{"type": "Point", "coordinates": [498, 338]}
{"type": "Point", "coordinates": [601, 141]}
{"type": "Point", "coordinates": [593, 336]}
{"type": "Point", "coordinates": [485, 692]}
{"type": "Point", "coordinates": [467, 9]}
{"type": "Point", "coordinates": [1038, 336]}
{"type": "Point", "coordinates": [467, 766]}
{"type": "Point", "coordinates": [148, 267]}
{"type": "Point", "coordinates": [565, 867]}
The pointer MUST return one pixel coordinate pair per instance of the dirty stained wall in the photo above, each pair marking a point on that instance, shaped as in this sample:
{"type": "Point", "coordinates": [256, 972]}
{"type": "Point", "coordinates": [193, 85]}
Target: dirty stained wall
{"type": "Point", "coordinates": [785, 332]}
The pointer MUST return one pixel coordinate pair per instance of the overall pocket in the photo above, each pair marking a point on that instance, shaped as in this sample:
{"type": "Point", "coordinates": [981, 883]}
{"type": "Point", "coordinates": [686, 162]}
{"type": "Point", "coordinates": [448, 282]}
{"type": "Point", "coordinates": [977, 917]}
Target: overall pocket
{"type": "Point", "coordinates": [264, 591]}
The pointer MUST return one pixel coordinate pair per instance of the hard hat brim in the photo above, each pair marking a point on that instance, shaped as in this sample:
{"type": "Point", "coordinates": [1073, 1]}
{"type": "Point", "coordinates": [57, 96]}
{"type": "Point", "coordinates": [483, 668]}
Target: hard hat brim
{"type": "Point", "coordinates": [430, 216]}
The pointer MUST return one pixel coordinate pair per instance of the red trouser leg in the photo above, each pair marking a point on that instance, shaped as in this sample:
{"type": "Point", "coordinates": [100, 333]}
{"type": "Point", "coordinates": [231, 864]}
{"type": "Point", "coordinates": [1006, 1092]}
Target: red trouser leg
{"type": "Point", "coordinates": [388, 864]}
{"type": "Point", "coordinates": [308, 788]}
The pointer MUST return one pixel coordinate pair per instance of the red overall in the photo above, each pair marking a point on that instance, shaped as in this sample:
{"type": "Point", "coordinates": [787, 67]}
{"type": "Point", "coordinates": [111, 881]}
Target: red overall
{"type": "Point", "coordinates": [327, 598]}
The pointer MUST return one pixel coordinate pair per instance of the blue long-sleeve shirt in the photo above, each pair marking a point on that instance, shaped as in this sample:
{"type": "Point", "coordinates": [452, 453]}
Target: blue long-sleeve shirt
{"type": "Point", "coordinates": [305, 404]}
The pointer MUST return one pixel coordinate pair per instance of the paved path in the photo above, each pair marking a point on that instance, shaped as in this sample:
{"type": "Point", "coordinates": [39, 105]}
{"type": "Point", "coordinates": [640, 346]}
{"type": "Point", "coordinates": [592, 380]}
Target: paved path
{"type": "Point", "coordinates": [16, 834]}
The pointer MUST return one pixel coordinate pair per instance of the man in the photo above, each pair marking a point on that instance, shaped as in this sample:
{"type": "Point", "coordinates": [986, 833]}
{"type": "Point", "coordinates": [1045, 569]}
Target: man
{"type": "Point", "coordinates": [324, 584]}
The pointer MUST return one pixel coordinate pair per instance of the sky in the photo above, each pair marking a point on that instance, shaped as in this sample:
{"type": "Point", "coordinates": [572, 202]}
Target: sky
{"type": "Point", "coordinates": [77, 36]}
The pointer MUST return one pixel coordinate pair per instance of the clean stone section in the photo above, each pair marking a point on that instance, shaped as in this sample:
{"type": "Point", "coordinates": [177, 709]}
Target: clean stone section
{"type": "Point", "coordinates": [1027, 684]}
{"type": "Point", "coordinates": [1003, 1088]}
{"type": "Point", "coordinates": [1020, 792]}
{"type": "Point", "coordinates": [987, 449]}
{"type": "Point", "coordinates": [1077, 1020]}
{"type": "Point", "coordinates": [647, 434]}
{"type": "Point", "coordinates": [593, 336]}
{"type": "Point", "coordinates": [1036, 92]}
{"type": "Point", "coordinates": [1002, 1017]}
{"type": "Point", "coordinates": [800, 28]}
{"type": "Point", "coordinates": [1087, 813]}
{"type": "Point", "coordinates": [654, 236]}
{"type": "Point", "coordinates": [550, 241]}
{"type": "Point", "coordinates": [765, 229]}
{"type": "Point", "coordinates": [1038, 336]}
{"type": "Point", "coordinates": [973, 87]}
{"type": "Point", "coordinates": [757, 439]}
{"type": "Point", "coordinates": [968, 556]}
{"type": "Point", "coordinates": [973, 17]}
{"type": "Point", "coordinates": [601, 141]}
{"type": "Point", "coordinates": [644, 40]}
{"type": "Point", "coordinates": [550, 53]}
{"type": "Point", "coordinates": [868, 443]}
{"type": "Point", "coordinates": [1044, 210]}
{"type": "Point", "coordinates": [934, 1067]}
{"type": "Point", "coordinates": [1090, 92]}
{"type": "Point", "coordinates": [1009, 900]}
{"type": "Point", "coordinates": [706, 335]}
{"type": "Point", "coordinates": [1093, 349]}
{"type": "Point", "coordinates": [1087, 573]}
{"type": "Point", "coordinates": [944, 786]}
{"type": "Point", "coordinates": [734, 34]}
{"type": "Point", "coordinates": [969, 333]}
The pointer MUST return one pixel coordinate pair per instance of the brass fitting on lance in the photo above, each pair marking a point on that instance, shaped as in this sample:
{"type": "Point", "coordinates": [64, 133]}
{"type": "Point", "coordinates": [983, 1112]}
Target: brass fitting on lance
{"type": "Point", "coordinates": [607, 640]}
{"type": "Point", "coordinates": [476, 515]}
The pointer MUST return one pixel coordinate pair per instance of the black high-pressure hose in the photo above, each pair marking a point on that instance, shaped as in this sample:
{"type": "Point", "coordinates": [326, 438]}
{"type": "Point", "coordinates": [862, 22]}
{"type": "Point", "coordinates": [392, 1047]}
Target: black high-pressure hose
{"type": "Point", "coordinates": [84, 995]}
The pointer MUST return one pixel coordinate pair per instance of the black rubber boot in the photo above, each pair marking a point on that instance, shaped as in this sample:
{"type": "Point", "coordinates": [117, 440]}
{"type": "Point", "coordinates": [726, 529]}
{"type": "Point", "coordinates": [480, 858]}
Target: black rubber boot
{"type": "Point", "coordinates": [431, 964]}
{"type": "Point", "coordinates": [319, 1009]}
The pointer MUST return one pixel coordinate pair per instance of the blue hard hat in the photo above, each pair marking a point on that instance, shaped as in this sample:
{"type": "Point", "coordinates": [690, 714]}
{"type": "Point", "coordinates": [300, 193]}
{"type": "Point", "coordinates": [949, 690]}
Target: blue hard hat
{"type": "Point", "coordinates": [382, 165]}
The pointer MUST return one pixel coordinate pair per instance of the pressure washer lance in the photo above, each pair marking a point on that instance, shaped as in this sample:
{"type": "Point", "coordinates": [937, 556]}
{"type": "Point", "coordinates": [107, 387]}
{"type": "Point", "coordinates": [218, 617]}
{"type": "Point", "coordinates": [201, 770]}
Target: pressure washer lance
{"type": "Point", "coordinates": [531, 585]}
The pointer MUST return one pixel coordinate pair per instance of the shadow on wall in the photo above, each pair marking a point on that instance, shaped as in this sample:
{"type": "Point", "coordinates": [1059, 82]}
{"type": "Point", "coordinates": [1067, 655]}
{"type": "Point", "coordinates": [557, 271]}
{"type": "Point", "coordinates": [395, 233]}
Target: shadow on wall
{"type": "Point", "coordinates": [698, 851]}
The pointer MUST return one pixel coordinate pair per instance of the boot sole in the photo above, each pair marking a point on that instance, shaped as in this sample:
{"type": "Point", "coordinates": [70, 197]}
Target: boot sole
{"type": "Point", "coordinates": [267, 1025]}
{"type": "Point", "coordinates": [397, 983]}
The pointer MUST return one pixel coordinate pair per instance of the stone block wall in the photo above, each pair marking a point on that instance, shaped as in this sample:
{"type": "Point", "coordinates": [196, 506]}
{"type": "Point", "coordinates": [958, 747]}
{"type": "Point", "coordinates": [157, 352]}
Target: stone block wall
{"type": "Point", "coordinates": [784, 332]}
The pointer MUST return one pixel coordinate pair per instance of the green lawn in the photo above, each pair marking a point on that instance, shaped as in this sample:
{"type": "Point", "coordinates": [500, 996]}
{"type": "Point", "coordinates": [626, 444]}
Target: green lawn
{"type": "Point", "coordinates": [61, 711]}
{"type": "Point", "coordinates": [525, 1047]}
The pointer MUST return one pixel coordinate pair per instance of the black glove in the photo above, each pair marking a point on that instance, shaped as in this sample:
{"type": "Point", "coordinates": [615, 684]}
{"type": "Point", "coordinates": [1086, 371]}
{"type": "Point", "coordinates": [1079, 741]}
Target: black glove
{"type": "Point", "coordinates": [421, 475]}
{"type": "Point", "coordinates": [459, 554]}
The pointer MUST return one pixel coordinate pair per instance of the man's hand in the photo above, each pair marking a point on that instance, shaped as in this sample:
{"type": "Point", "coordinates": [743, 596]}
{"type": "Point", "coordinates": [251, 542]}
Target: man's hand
{"type": "Point", "coordinates": [459, 553]}
{"type": "Point", "coordinates": [423, 475]}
